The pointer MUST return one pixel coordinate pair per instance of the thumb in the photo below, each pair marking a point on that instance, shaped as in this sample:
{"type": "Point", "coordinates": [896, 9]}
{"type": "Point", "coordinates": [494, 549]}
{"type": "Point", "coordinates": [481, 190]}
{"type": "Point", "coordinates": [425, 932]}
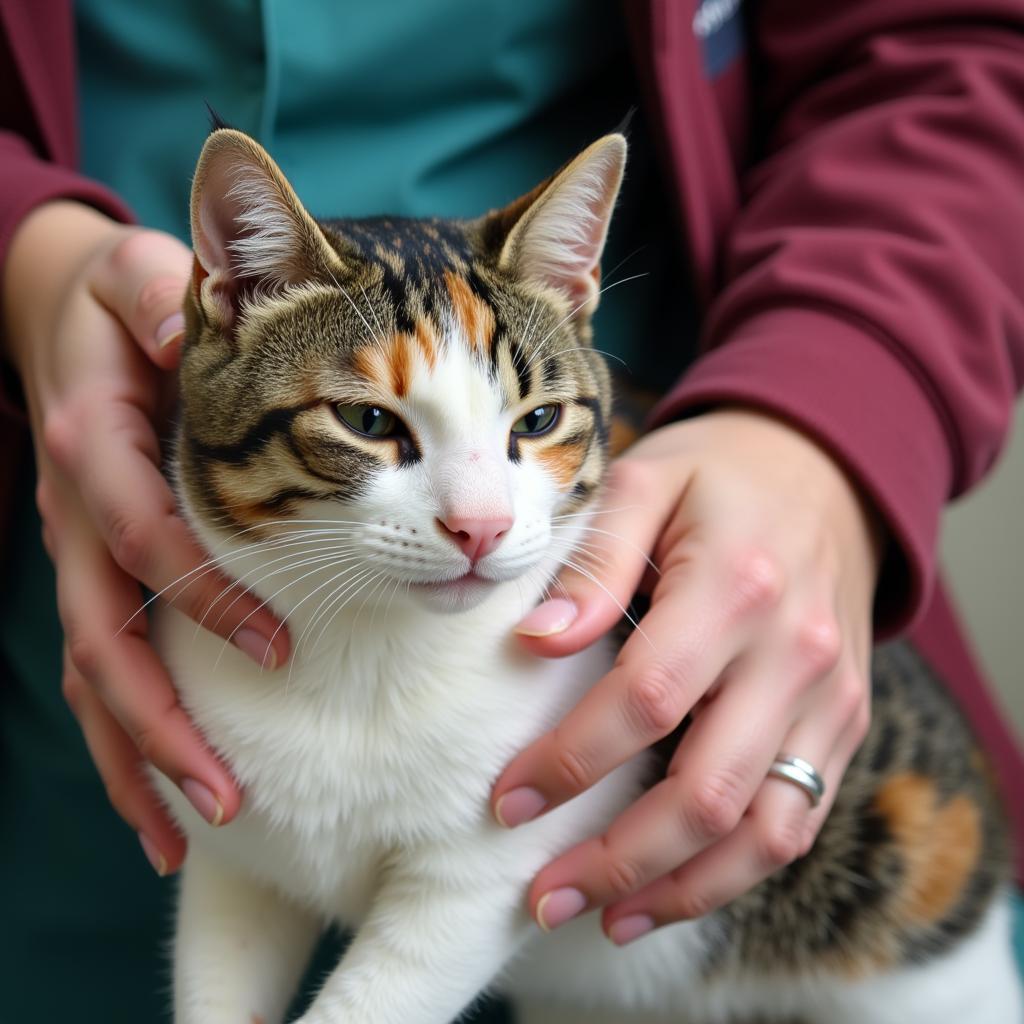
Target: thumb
{"type": "Point", "coordinates": [142, 282]}
{"type": "Point", "coordinates": [605, 558]}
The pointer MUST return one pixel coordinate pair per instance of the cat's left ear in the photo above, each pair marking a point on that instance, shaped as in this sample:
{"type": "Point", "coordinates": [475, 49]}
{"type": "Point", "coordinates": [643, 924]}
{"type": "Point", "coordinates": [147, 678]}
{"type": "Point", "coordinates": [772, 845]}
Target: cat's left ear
{"type": "Point", "coordinates": [560, 228]}
{"type": "Point", "coordinates": [251, 234]}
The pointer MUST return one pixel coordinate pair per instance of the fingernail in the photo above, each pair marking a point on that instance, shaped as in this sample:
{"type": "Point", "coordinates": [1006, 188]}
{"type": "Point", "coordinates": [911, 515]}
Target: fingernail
{"type": "Point", "coordinates": [549, 618]}
{"type": "Point", "coordinates": [257, 647]}
{"type": "Point", "coordinates": [204, 801]}
{"type": "Point", "coordinates": [518, 806]}
{"type": "Point", "coordinates": [629, 928]}
{"type": "Point", "coordinates": [153, 855]}
{"type": "Point", "coordinates": [173, 327]}
{"type": "Point", "coordinates": [559, 906]}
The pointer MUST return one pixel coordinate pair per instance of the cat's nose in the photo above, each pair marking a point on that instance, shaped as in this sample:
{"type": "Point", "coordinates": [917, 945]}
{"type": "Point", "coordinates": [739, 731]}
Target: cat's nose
{"type": "Point", "coordinates": [475, 537]}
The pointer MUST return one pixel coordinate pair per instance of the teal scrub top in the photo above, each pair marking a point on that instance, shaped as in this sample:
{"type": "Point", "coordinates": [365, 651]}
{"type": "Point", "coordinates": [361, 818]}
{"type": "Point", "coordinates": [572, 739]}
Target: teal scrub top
{"type": "Point", "coordinates": [443, 108]}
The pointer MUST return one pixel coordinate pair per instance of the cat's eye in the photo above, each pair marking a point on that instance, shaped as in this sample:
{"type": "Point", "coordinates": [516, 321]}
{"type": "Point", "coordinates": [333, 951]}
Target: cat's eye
{"type": "Point", "coordinates": [371, 420]}
{"type": "Point", "coordinates": [537, 421]}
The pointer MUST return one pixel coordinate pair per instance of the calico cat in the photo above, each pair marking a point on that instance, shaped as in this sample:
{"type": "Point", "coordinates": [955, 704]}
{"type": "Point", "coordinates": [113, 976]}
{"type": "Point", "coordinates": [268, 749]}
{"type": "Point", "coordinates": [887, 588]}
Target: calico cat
{"type": "Point", "coordinates": [393, 431]}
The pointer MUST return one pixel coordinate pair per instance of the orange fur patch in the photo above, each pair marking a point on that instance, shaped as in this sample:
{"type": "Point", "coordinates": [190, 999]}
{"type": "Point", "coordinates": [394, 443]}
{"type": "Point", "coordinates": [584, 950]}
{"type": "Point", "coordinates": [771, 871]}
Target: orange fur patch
{"type": "Point", "coordinates": [367, 364]}
{"type": "Point", "coordinates": [426, 338]}
{"type": "Point", "coordinates": [400, 363]}
{"type": "Point", "coordinates": [472, 313]}
{"type": "Point", "coordinates": [390, 364]}
{"type": "Point", "coordinates": [941, 844]}
{"type": "Point", "coordinates": [563, 461]}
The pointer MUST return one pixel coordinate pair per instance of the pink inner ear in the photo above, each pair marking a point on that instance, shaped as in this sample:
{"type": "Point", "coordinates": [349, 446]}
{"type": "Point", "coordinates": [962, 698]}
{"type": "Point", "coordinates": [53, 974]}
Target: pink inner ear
{"type": "Point", "coordinates": [215, 279]}
{"type": "Point", "coordinates": [560, 243]}
{"type": "Point", "coordinates": [219, 217]}
{"type": "Point", "coordinates": [222, 219]}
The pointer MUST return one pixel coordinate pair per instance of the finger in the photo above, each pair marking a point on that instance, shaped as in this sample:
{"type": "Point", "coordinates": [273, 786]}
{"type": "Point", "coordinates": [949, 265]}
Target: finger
{"type": "Point", "coordinates": [605, 559]}
{"type": "Point", "coordinates": [127, 676]}
{"type": "Point", "coordinates": [121, 768]}
{"type": "Point", "coordinates": [660, 673]}
{"type": "Point", "coordinates": [721, 763]}
{"type": "Point", "coordinates": [779, 827]}
{"type": "Point", "coordinates": [134, 509]}
{"type": "Point", "coordinates": [143, 283]}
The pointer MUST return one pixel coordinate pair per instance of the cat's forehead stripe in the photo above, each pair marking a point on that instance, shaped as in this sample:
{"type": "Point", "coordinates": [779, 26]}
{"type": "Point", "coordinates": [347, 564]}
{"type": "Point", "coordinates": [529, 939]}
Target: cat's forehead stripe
{"type": "Point", "coordinates": [426, 337]}
{"type": "Point", "coordinates": [473, 317]}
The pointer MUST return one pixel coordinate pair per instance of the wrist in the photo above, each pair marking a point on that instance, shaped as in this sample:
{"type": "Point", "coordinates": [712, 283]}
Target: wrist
{"type": "Point", "coordinates": [817, 475]}
{"type": "Point", "coordinates": [48, 251]}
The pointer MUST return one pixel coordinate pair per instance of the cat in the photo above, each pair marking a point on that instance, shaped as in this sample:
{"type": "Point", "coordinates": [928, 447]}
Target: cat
{"type": "Point", "coordinates": [394, 431]}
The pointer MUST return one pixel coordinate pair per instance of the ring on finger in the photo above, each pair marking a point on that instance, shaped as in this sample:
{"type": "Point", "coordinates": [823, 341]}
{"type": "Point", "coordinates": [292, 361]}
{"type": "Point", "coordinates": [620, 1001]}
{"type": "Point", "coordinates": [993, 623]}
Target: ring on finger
{"type": "Point", "coordinates": [801, 773]}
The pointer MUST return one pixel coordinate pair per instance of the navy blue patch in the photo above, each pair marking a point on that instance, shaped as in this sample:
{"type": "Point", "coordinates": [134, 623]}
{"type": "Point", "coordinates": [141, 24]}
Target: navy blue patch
{"type": "Point", "coordinates": [718, 26]}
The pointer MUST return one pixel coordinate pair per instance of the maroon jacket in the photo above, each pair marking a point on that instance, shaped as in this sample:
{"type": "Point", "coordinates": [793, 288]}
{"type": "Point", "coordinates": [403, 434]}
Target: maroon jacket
{"type": "Point", "coordinates": [850, 179]}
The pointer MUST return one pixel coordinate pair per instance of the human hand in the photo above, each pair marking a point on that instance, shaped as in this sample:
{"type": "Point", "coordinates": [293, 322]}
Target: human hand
{"type": "Point", "coordinates": [759, 625]}
{"type": "Point", "coordinates": [87, 303]}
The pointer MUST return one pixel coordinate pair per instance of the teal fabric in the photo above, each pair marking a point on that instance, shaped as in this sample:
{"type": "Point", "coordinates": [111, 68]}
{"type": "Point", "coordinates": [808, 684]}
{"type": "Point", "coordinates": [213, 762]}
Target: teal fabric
{"type": "Point", "coordinates": [447, 109]}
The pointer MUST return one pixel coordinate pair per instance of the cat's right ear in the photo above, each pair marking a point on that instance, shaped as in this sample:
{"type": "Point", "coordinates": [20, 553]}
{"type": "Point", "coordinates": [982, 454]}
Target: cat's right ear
{"type": "Point", "coordinates": [250, 233]}
{"type": "Point", "coordinates": [553, 237]}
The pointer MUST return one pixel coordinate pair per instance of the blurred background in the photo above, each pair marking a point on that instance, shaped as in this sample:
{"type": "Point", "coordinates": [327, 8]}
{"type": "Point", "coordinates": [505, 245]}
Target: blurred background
{"type": "Point", "coordinates": [983, 554]}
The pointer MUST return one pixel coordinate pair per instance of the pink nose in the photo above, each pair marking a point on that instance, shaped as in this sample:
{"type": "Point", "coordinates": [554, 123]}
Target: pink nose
{"type": "Point", "coordinates": [475, 537]}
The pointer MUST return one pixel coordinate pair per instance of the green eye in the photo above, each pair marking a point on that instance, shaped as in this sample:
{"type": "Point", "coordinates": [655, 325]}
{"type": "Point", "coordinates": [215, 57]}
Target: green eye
{"type": "Point", "coordinates": [370, 420]}
{"type": "Point", "coordinates": [537, 421]}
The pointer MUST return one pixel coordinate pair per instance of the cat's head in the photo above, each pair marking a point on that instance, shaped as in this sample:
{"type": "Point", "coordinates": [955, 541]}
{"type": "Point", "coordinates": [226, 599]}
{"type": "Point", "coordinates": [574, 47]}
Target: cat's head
{"type": "Point", "coordinates": [422, 392]}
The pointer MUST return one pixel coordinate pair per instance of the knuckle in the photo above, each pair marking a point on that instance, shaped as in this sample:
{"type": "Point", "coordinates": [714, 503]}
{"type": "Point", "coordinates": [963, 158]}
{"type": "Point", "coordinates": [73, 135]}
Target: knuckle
{"type": "Point", "coordinates": [716, 807]}
{"type": "Point", "coordinates": [128, 544]}
{"type": "Point", "coordinates": [819, 643]}
{"type": "Point", "coordinates": [156, 294]}
{"type": "Point", "coordinates": [147, 744]}
{"type": "Point", "coordinates": [624, 877]}
{"type": "Point", "coordinates": [758, 581]}
{"type": "Point", "coordinates": [58, 437]}
{"type": "Point", "coordinates": [72, 688]}
{"type": "Point", "coordinates": [134, 247]}
{"type": "Point", "coordinates": [630, 476]}
{"type": "Point", "coordinates": [779, 844]}
{"type": "Point", "coordinates": [651, 703]}
{"type": "Point", "coordinates": [860, 724]}
{"type": "Point", "coordinates": [851, 697]}
{"type": "Point", "coordinates": [573, 771]}
{"type": "Point", "coordinates": [85, 655]}
{"type": "Point", "coordinates": [692, 905]}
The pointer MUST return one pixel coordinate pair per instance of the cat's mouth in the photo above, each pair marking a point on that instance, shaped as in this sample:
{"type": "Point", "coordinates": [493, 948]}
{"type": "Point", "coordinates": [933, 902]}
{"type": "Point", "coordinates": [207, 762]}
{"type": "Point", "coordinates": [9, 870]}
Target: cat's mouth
{"type": "Point", "coordinates": [456, 595]}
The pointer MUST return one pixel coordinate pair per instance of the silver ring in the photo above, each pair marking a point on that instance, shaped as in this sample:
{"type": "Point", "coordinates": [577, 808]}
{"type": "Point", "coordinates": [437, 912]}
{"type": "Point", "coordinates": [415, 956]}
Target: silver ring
{"type": "Point", "coordinates": [801, 773]}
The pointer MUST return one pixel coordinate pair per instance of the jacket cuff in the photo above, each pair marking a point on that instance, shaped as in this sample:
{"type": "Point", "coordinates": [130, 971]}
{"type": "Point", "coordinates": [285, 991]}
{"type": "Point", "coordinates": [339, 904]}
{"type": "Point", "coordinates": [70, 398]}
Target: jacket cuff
{"type": "Point", "coordinates": [848, 389]}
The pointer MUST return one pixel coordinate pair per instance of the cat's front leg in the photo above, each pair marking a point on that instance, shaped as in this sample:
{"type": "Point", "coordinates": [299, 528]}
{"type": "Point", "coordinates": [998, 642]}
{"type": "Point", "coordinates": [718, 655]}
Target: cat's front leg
{"type": "Point", "coordinates": [239, 947]}
{"type": "Point", "coordinates": [442, 926]}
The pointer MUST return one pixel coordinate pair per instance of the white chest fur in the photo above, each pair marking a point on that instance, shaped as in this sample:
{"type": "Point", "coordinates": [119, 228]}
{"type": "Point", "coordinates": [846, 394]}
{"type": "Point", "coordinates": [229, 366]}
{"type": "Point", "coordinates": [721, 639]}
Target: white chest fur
{"type": "Point", "coordinates": [390, 735]}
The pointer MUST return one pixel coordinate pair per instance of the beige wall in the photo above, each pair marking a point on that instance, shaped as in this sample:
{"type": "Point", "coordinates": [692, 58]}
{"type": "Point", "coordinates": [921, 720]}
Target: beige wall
{"type": "Point", "coordinates": [983, 552]}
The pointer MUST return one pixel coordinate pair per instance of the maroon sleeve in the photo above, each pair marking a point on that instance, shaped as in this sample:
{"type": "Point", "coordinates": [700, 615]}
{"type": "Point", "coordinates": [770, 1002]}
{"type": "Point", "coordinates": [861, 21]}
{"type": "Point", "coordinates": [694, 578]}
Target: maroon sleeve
{"type": "Point", "coordinates": [874, 278]}
{"type": "Point", "coordinates": [38, 116]}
